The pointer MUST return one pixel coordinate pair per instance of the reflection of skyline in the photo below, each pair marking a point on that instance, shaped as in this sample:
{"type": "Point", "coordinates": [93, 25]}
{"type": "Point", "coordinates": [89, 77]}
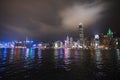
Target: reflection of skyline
{"type": "Point", "coordinates": [58, 56]}
{"type": "Point", "coordinates": [62, 58]}
{"type": "Point", "coordinates": [78, 62]}
{"type": "Point", "coordinates": [39, 53]}
{"type": "Point", "coordinates": [67, 59]}
{"type": "Point", "coordinates": [17, 54]}
{"type": "Point", "coordinates": [66, 53]}
{"type": "Point", "coordinates": [98, 59]}
{"type": "Point", "coordinates": [118, 54]}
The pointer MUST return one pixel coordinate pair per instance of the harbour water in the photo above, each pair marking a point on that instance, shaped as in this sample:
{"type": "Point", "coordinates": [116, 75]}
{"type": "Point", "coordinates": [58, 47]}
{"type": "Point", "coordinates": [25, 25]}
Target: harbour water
{"type": "Point", "coordinates": [59, 64]}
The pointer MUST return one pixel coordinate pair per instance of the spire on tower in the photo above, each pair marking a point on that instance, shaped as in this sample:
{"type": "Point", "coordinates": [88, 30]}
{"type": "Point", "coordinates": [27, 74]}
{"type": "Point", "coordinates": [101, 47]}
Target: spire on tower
{"type": "Point", "coordinates": [109, 32]}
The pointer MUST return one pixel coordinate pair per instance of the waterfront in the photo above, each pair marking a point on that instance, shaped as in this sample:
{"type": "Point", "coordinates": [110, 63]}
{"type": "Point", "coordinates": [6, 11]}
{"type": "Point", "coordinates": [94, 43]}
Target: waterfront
{"type": "Point", "coordinates": [59, 64]}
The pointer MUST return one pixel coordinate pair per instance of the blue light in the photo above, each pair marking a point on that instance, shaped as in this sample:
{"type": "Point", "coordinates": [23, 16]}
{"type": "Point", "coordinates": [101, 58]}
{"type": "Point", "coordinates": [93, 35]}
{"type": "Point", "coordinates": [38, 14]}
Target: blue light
{"type": "Point", "coordinates": [5, 52]}
{"type": "Point", "coordinates": [5, 44]}
{"type": "Point", "coordinates": [27, 41]}
{"type": "Point", "coordinates": [34, 45]}
{"type": "Point", "coordinates": [31, 41]}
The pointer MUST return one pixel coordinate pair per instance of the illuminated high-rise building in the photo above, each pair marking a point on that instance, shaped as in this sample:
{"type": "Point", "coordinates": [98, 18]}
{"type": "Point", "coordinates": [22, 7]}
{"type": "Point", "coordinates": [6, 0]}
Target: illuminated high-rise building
{"type": "Point", "coordinates": [26, 39]}
{"type": "Point", "coordinates": [71, 41]}
{"type": "Point", "coordinates": [67, 39]}
{"type": "Point", "coordinates": [110, 34]}
{"type": "Point", "coordinates": [96, 41]}
{"type": "Point", "coordinates": [81, 34]}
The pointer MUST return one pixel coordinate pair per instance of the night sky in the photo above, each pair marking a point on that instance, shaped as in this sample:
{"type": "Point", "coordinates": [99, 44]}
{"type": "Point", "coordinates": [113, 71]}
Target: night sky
{"type": "Point", "coordinates": [49, 20]}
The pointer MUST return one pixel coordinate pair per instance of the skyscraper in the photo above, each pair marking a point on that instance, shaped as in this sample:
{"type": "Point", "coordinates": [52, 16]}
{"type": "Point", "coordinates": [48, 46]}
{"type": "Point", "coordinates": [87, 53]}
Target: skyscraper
{"type": "Point", "coordinates": [81, 34]}
{"type": "Point", "coordinates": [110, 34]}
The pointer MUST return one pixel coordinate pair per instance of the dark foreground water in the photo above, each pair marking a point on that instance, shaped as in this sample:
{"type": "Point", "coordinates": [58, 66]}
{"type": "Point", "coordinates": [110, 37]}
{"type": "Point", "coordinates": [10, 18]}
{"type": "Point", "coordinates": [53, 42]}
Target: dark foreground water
{"type": "Point", "coordinates": [59, 64]}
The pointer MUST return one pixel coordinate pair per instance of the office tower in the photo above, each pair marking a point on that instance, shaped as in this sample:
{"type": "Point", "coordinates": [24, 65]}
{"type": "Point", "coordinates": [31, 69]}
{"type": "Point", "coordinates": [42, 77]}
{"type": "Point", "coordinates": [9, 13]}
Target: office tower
{"type": "Point", "coordinates": [96, 41]}
{"type": "Point", "coordinates": [81, 34]}
{"type": "Point", "coordinates": [110, 34]}
{"type": "Point", "coordinates": [67, 39]}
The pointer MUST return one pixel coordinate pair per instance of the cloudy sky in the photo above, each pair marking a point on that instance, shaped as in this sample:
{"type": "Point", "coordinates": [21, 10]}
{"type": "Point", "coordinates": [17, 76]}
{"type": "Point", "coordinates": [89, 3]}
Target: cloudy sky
{"type": "Point", "coordinates": [48, 20]}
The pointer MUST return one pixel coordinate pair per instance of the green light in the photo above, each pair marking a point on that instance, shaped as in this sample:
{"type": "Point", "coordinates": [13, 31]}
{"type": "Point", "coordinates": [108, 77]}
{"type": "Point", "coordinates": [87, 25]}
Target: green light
{"type": "Point", "coordinates": [109, 32]}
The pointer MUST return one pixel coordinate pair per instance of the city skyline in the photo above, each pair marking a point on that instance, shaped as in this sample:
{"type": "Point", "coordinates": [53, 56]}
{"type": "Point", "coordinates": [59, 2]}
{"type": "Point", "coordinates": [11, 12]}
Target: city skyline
{"type": "Point", "coordinates": [53, 20]}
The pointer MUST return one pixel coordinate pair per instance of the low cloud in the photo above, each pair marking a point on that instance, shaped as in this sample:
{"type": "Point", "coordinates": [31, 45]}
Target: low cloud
{"type": "Point", "coordinates": [41, 19]}
{"type": "Point", "coordinates": [86, 13]}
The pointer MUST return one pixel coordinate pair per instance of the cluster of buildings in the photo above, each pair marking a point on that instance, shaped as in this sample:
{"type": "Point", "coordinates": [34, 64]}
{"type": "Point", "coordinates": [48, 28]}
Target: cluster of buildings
{"type": "Point", "coordinates": [99, 41]}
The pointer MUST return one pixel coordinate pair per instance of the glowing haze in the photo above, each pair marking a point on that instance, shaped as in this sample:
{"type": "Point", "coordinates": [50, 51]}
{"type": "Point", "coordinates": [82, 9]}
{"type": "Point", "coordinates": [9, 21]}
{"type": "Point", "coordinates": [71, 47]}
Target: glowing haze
{"type": "Point", "coordinates": [85, 13]}
{"type": "Point", "coordinates": [54, 19]}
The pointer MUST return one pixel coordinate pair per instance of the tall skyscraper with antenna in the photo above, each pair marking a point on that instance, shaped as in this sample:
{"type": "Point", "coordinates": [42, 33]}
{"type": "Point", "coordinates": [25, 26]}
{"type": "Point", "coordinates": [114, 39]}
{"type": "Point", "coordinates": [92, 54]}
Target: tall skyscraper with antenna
{"type": "Point", "coordinates": [81, 34]}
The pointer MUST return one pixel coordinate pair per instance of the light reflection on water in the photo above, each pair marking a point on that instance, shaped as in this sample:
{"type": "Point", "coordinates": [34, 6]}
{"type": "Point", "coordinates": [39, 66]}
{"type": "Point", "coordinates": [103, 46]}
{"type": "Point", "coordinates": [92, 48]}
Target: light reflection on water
{"type": "Point", "coordinates": [98, 59]}
{"type": "Point", "coordinates": [118, 54]}
{"type": "Point", "coordinates": [29, 63]}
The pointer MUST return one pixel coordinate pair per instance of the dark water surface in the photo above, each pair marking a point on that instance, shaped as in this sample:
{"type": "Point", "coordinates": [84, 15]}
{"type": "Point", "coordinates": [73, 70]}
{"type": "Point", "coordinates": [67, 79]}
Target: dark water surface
{"type": "Point", "coordinates": [59, 64]}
